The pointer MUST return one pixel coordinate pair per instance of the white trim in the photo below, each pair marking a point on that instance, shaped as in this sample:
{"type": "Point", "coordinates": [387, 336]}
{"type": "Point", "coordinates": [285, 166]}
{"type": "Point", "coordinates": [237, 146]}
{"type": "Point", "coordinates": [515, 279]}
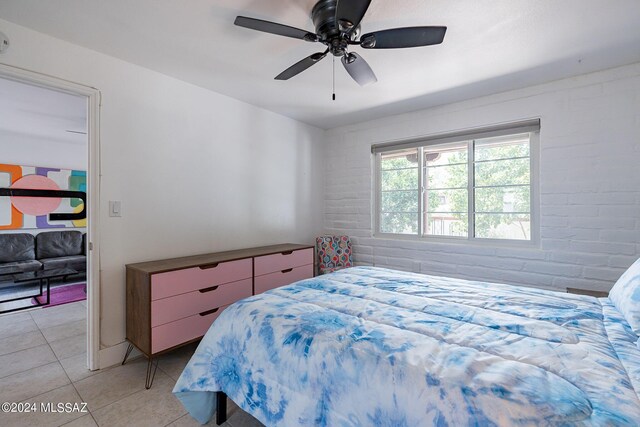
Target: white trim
{"type": "Point", "coordinates": [534, 154]}
{"type": "Point", "coordinates": [458, 240]}
{"type": "Point", "coordinates": [377, 185]}
{"type": "Point", "coordinates": [421, 192]}
{"type": "Point", "coordinates": [93, 184]}
{"type": "Point", "coordinates": [93, 96]}
{"type": "Point", "coordinates": [471, 185]}
{"type": "Point", "coordinates": [113, 355]}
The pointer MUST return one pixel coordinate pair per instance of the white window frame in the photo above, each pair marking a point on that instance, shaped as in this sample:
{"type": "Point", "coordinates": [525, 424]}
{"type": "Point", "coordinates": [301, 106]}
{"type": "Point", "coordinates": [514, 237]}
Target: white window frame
{"type": "Point", "coordinates": [532, 127]}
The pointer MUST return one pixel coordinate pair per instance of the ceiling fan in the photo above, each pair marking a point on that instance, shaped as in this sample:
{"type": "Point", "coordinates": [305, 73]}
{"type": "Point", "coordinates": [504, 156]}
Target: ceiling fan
{"type": "Point", "coordinates": [337, 25]}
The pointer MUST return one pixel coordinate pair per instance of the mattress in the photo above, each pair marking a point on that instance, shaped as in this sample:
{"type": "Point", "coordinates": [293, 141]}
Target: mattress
{"type": "Point", "coordinates": [370, 346]}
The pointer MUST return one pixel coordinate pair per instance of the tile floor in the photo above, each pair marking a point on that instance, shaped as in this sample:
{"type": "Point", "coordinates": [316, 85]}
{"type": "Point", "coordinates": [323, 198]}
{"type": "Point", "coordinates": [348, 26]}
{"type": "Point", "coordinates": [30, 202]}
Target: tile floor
{"type": "Point", "coordinates": [43, 359]}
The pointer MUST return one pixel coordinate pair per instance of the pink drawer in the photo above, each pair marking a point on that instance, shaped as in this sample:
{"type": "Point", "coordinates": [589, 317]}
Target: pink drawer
{"type": "Point", "coordinates": [184, 305]}
{"type": "Point", "coordinates": [282, 261]}
{"type": "Point", "coordinates": [181, 331]}
{"type": "Point", "coordinates": [281, 278]}
{"type": "Point", "coordinates": [164, 285]}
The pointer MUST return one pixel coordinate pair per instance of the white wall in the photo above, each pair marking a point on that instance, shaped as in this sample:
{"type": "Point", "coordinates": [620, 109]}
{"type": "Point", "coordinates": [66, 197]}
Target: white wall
{"type": "Point", "coordinates": [589, 184]}
{"type": "Point", "coordinates": [32, 150]}
{"type": "Point", "coordinates": [196, 171]}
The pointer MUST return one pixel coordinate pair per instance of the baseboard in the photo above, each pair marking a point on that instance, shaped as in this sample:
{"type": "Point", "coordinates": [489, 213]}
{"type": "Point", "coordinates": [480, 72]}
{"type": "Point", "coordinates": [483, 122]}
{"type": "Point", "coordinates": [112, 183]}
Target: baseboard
{"type": "Point", "coordinates": [112, 356]}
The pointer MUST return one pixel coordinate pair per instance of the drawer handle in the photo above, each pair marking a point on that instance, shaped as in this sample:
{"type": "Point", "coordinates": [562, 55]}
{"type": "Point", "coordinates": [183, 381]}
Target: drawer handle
{"type": "Point", "coordinates": [211, 289]}
{"type": "Point", "coordinates": [208, 312]}
{"type": "Point", "coordinates": [287, 270]}
{"type": "Point", "coordinates": [287, 252]}
{"type": "Point", "coordinates": [208, 266]}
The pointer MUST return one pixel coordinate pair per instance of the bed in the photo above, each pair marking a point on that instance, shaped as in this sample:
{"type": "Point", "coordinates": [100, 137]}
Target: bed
{"type": "Point", "coordinates": [370, 346]}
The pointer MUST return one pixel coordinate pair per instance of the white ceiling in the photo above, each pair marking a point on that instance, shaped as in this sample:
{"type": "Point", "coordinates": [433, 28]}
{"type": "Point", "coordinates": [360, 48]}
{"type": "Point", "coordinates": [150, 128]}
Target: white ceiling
{"type": "Point", "coordinates": [42, 113]}
{"type": "Point", "coordinates": [490, 46]}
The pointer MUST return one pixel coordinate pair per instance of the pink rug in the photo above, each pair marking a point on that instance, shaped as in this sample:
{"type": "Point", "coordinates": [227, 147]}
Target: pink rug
{"type": "Point", "coordinates": [64, 294]}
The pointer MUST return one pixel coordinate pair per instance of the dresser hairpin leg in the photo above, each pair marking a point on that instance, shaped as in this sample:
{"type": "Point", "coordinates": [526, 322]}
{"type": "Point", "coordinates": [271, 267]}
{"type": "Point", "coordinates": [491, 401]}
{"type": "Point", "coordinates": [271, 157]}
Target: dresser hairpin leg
{"type": "Point", "coordinates": [128, 352]}
{"type": "Point", "coordinates": [221, 410]}
{"type": "Point", "coordinates": [150, 375]}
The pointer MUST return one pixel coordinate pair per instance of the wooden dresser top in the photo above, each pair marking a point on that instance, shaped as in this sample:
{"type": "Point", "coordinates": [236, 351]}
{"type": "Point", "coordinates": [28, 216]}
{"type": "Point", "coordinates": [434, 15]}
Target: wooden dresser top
{"type": "Point", "coordinates": [164, 265]}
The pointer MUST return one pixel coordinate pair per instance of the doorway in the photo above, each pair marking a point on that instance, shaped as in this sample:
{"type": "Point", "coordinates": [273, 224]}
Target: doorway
{"type": "Point", "coordinates": [50, 209]}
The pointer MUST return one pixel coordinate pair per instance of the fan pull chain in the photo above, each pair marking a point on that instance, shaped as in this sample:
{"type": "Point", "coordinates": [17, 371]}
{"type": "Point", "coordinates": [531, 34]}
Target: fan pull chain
{"type": "Point", "coordinates": [334, 78]}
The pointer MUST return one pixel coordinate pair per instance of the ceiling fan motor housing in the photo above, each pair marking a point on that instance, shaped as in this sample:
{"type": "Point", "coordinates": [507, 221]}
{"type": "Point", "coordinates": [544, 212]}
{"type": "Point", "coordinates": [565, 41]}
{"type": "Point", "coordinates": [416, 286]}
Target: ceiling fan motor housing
{"type": "Point", "coordinates": [336, 35]}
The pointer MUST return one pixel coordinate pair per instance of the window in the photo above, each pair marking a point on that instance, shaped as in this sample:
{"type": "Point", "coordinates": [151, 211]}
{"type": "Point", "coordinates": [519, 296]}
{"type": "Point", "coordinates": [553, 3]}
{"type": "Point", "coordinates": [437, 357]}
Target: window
{"type": "Point", "coordinates": [473, 186]}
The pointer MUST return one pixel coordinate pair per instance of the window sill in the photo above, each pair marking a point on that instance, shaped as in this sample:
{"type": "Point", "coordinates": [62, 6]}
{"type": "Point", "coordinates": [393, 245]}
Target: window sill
{"type": "Point", "coordinates": [462, 241]}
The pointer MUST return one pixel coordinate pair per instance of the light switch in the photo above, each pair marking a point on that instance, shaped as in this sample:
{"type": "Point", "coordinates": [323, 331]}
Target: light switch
{"type": "Point", "coordinates": [115, 209]}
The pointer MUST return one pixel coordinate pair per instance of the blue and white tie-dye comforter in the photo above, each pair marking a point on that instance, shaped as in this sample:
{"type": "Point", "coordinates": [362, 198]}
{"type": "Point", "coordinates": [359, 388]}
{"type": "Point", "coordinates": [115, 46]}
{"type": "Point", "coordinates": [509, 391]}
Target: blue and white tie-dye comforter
{"type": "Point", "coordinates": [369, 346]}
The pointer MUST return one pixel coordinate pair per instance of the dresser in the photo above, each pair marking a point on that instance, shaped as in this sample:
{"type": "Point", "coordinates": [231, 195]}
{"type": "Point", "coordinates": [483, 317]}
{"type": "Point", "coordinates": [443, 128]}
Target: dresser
{"type": "Point", "coordinates": [173, 302]}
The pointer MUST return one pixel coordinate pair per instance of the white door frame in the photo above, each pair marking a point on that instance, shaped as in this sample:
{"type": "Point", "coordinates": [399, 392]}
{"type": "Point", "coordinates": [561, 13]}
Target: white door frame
{"type": "Point", "coordinates": [93, 186]}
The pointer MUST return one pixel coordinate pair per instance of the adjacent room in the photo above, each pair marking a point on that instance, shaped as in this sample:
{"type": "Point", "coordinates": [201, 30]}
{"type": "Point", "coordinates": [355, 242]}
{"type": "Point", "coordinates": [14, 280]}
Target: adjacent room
{"type": "Point", "coordinates": [42, 238]}
{"type": "Point", "coordinates": [319, 213]}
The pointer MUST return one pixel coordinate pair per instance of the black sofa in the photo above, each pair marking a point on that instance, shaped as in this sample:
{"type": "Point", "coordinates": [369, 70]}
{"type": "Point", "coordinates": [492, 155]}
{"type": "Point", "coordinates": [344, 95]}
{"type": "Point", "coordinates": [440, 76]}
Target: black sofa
{"type": "Point", "coordinates": [23, 252]}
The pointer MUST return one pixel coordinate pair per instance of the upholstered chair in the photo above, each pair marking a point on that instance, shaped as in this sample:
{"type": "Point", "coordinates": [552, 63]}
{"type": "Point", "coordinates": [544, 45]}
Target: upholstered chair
{"type": "Point", "coordinates": [334, 253]}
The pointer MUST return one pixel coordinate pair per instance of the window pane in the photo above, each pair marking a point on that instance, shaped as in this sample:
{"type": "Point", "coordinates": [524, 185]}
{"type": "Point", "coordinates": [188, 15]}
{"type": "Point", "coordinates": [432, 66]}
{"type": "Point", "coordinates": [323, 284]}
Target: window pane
{"type": "Point", "coordinates": [503, 211]}
{"type": "Point", "coordinates": [447, 176]}
{"type": "Point", "coordinates": [447, 201]}
{"type": "Point", "coordinates": [446, 190]}
{"type": "Point", "coordinates": [399, 192]}
{"type": "Point", "coordinates": [401, 179]}
{"type": "Point", "coordinates": [502, 172]}
{"type": "Point", "coordinates": [448, 154]}
{"type": "Point", "coordinates": [503, 147]}
{"type": "Point", "coordinates": [399, 223]}
{"type": "Point", "coordinates": [399, 159]}
{"type": "Point", "coordinates": [503, 226]}
{"type": "Point", "coordinates": [446, 224]}
{"type": "Point", "coordinates": [399, 201]}
{"type": "Point", "coordinates": [503, 199]}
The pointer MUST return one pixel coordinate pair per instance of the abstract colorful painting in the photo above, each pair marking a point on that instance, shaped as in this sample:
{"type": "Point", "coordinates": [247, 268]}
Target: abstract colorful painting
{"type": "Point", "coordinates": [36, 197]}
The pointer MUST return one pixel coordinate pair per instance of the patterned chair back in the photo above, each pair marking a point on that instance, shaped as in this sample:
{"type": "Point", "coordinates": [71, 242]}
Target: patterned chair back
{"type": "Point", "coordinates": [334, 253]}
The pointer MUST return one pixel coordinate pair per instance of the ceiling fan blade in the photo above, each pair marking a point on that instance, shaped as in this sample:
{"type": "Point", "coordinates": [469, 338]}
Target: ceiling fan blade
{"type": "Point", "coordinates": [358, 69]}
{"type": "Point", "coordinates": [274, 28]}
{"type": "Point", "coordinates": [349, 13]}
{"type": "Point", "coordinates": [403, 37]}
{"type": "Point", "coordinates": [300, 66]}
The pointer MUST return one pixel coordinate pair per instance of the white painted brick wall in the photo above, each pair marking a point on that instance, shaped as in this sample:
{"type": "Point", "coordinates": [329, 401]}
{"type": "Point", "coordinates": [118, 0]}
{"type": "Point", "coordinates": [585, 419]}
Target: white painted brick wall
{"type": "Point", "coordinates": [589, 184]}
